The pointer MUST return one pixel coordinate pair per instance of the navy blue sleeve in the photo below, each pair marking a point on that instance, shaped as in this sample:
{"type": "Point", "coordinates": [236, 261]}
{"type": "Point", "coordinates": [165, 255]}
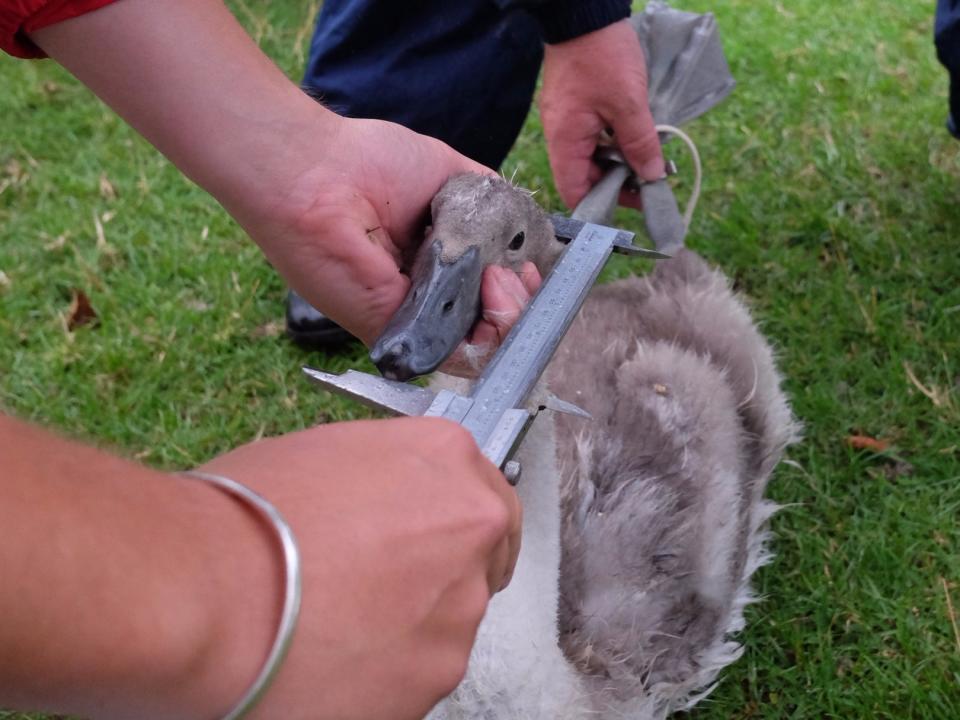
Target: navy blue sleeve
{"type": "Point", "coordinates": [562, 20]}
{"type": "Point", "coordinates": [947, 33]}
{"type": "Point", "coordinates": [947, 38]}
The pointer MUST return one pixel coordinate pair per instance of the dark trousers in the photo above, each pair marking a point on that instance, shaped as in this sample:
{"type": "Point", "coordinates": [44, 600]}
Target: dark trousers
{"type": "Point", "coordinates": [463, 71]}
{"type": "Point", "coordinates": [947, 38]}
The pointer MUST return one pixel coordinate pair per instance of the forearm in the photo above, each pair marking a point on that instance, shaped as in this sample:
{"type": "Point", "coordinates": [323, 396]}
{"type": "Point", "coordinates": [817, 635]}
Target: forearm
{"type": "Point", "coordinates": [334, 203]}
{"type": "Point", "coordinates": [187, 77]}
{"type": "Point", "coordinates": [120, 584]}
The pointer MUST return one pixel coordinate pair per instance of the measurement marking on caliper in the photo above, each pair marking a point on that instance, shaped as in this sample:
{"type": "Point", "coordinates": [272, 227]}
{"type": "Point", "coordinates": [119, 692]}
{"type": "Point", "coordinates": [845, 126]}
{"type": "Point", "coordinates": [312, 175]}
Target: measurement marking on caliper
{"type": "Point", "coordinates": [528, 348]}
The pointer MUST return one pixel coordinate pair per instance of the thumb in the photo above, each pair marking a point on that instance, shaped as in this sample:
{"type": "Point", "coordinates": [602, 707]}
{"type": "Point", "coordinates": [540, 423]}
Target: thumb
{"type": "Point", "coordinates": [570, 149]}
{"type": "Point", "coordinates": [352, 275]}
{"type": "Point", "coordinates": [505, 295]}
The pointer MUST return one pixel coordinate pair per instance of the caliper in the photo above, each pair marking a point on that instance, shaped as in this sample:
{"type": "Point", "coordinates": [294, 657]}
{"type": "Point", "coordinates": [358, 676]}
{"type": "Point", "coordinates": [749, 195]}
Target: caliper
{"type": "Point", "coordinates": [495, 412]}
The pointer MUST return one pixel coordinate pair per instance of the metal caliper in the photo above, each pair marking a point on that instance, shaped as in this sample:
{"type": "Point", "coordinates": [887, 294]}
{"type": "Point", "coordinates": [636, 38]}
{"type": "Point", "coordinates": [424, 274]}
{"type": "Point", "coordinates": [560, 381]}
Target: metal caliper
{"type": "Point", "coordinates": [495, 411]}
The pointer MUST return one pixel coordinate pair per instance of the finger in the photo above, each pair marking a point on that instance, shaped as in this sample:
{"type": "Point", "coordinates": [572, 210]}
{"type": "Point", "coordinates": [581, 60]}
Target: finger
{"type": "Point", "coordinates": [503, 297]}
{"type": "Point", "coordinates": [500, 566]}
{"type": "Point", "coordinates": [530, 277]}
{"type": "Point", "coordinates": [355, 281]}
{"type": "Point", "coordinates": [570, 148]}
{"type": "Point", "coordinates": [514, 539]}
{"type": "Point", "coordinates": [389, 151]}
{"type": "Point", "coordinates": [362, 288]}
{"type": "Point", "coordinates": [636, 135]}
{"type": "Point", "coordinates": [503, 559]}
{"type": "Point", "coordinates": [409, 226]}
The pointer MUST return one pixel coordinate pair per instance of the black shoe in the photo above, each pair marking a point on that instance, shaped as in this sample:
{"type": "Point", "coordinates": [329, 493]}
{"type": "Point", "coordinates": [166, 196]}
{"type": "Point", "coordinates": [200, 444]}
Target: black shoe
{"type": "Point", "coordinates": [311, 329]}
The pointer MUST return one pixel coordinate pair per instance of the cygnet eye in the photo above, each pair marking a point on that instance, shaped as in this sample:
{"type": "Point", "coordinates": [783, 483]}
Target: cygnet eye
{"type": "Point", "coordinates": [447, 306]}
{"type": "Point", "coordinates": [517, 241]}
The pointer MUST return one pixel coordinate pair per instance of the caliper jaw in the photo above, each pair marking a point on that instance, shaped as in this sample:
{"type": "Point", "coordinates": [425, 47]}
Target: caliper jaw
{"type": "Point", "coordinates": [566, 229]}
{"type": "Point", "coordinates": [390, 396]}
{"type": "Point", "coordinates": [399, 398]}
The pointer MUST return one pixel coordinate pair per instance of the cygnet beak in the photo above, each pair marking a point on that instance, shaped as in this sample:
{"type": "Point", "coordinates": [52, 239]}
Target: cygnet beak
{"type": "Point", "coordinates": [441, 306]}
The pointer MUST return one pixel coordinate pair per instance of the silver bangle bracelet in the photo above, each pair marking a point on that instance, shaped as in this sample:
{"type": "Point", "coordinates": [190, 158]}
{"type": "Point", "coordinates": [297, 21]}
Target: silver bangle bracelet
{"type": "Point", "coordinates": [291, 596]}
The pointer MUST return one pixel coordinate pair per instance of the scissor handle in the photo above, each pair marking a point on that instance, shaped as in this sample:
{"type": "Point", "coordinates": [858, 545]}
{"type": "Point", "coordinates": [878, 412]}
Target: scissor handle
{"type": "Point", "coordinates": [661, 214]}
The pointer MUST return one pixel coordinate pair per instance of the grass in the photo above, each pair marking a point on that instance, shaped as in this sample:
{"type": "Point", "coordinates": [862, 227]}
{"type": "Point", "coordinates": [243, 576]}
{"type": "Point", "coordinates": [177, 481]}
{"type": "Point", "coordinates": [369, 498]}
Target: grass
{"type": "Point", "coordinates": [831, 199]}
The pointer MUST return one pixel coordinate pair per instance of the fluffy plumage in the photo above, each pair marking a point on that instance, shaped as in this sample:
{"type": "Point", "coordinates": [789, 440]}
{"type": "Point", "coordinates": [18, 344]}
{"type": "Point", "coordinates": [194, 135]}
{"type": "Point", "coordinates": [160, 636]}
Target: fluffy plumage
{"type": "Point", "coordinates": [487, 213]}
{"type": "Point", "coordinates": [643, 525]}
{"type": "Point", "coordinates": [662, 494]}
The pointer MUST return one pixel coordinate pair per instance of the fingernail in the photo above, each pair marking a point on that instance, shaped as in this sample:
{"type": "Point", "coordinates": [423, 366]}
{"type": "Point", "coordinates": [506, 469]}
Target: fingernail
{"type": "Point", "coordinates": [653, 170]}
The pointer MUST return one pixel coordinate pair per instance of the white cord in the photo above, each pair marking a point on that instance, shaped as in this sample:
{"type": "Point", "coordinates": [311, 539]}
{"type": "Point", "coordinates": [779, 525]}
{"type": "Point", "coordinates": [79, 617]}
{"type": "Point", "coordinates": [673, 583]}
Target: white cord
{"type": "Point", "coordinates": [698, 169]}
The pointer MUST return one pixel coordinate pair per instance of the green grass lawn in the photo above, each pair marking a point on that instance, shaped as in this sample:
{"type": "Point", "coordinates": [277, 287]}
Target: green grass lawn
{"type": "Point", "coordinates": [831, 198]}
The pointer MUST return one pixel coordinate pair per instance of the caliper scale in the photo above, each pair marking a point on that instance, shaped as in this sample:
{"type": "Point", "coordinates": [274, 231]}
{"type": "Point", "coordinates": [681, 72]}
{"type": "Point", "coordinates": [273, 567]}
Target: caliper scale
{"type": "Point", "coordinates": [495, 411]}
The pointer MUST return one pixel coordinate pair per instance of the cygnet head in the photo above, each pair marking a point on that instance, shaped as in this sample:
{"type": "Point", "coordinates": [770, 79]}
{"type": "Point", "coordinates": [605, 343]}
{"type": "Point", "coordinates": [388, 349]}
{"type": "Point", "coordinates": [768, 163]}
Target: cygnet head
{"type": "Point", "coordinates": [476, 221]}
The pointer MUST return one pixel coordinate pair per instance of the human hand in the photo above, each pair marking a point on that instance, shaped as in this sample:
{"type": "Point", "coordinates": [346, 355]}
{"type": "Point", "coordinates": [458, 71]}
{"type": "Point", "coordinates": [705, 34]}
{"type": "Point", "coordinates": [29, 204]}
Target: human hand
{"type": "Point", "coordinates": [593, 82]}
{"type": "Point", "coordinates": [356, 208]}
{"type": "Point", "coordinates": [405, 531]}
{"type": "Point", "coordinates": [169, 590]}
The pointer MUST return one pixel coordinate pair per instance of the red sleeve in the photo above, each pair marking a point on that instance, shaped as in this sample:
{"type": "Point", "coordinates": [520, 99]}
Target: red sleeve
{"type": "Point", "coordinates": [19, 17]}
